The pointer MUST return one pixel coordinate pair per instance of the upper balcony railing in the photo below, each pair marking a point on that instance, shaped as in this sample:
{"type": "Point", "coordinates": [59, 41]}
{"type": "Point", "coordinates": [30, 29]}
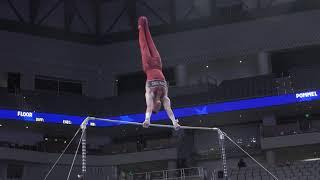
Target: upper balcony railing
{"type": "Point", "coordinates": [298, 80]}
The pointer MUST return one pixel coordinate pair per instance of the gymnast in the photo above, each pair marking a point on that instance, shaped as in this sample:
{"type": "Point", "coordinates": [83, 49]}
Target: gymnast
{"type": "Point", "coordinates": [156, 85]}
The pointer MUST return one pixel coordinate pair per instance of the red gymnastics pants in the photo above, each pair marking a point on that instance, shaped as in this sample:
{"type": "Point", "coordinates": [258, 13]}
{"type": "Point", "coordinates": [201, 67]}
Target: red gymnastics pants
{"type": "Point", "coordinates": [151, 60]}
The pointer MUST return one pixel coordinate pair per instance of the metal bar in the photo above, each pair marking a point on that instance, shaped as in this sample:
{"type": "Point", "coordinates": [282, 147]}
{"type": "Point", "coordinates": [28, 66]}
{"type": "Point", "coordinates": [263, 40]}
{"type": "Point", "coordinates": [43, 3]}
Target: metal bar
{"type": "Point", "coordinates": [223, 154]}
{"type": "Point", "coordinates": [173, 11]}
{"type": "Point", "coordinates": [183, 175]}
{"type": "Point", "coordinates": [249, 155]}
{"type": "Point", "coordinates": [68, 14]}
{"type": "Point", "coordinates": [117, 19]}
{"type": "Point", "coordinates": [153, 125]}
{"type": "Point", "coordinates": [189, 11]}
{"type": "Point", "coordinates": [84, 153]}
{"type": "Point", "coordinates": [97, 13]}
{"type": "Point", "coordinates": [153, 11]}
{"type": "Point", "coordinates": [163, 174]}
{"type": "Point", "coordinates": [15, 10]}
{"type": "Point", "coordinates": [244, 4]}
{"type": "Point", "coordinates": [75, 155]}
{"type": "Point", "coordinates": [222, 135]}
{"type": "Point", "coordinates": [55, 6]}
{"type": "Point", "coordinates": [62, 154]}
{"type": "Point", "coordinates": [34, 9]}
{"type": "Point", "coordinates": [82, 18]}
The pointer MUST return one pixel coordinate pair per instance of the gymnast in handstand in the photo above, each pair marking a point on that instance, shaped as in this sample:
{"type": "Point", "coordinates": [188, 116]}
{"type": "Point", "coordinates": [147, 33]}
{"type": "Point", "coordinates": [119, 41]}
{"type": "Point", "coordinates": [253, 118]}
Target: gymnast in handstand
{"type": "Point", "coordinates": [156, 85]}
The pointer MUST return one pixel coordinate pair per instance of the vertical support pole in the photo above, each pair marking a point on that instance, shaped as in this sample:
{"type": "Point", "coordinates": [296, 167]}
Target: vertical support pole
{"type": "Point", "coordinates": [173, 12]}
{"type": "Point", "coordinates": [68, 14]}
{"type": "Point", "coordinates": [183, 175]}
{"type": "Point", "coordinates": [199, 173]}
{"type": "Point", "coordinates": [84, 153]}
{"type": "Point", "coordinates": [84, 148]}
{"type": "Point", "coordinates": [97, 13]}
{"type": "Point", "coordinates": [164, 174]}
{"type": "Point", "coordinates": [223, 154]}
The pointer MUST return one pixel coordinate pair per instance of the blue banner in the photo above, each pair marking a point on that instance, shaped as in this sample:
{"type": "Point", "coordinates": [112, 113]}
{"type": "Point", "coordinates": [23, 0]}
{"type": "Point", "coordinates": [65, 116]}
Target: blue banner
{"type": "Point", "coordinates": [205, 109]}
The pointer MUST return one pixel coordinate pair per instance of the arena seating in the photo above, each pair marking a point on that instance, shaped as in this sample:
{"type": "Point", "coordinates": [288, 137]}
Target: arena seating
{"type": "Point", "coordinates": [295, 171]}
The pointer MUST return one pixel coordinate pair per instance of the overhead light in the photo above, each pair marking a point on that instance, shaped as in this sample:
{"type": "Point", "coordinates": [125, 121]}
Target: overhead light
{"type": "Point", "coordinates": [27, 127]}
{"type": "Point", "coordinates": [240, 61]}
{"type": "Point", "coordinates": [55, 140]}
{"type": "Point", "coordinates": [0, 125]}
{"type": "Point", "coordinates": [46, 139]}
{"type": "Point", "coordinates": [207, 66]}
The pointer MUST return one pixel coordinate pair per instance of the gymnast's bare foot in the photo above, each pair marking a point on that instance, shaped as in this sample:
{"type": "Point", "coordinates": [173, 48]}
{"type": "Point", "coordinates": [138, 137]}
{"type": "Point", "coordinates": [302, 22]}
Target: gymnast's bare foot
{"type": "Point", "coordinates": [146, 123]}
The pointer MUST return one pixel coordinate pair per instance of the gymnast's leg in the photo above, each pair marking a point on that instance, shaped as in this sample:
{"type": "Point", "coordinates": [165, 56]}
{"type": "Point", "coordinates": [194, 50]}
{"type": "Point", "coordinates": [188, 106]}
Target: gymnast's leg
{"type": "Point", "coordinates": [144, 48]}
{"type": "Point", "coordinates": [150, 55]}
{"type": "Point", "coordinates": [152, 47]}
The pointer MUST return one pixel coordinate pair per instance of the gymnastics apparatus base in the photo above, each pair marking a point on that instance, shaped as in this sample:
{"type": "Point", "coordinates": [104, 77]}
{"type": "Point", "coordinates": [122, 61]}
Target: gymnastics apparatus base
{"type": "Point", "coordinates": [82, 142]}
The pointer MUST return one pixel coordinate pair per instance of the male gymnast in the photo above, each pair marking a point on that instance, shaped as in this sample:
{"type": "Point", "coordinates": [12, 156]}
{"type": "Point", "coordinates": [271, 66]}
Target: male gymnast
{"type": "Point", "coordinates": [156, 85]}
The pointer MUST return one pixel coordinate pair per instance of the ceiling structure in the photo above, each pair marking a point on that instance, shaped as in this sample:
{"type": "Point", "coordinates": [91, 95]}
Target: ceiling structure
{"type": "Point", "coordinates": [105, 21]}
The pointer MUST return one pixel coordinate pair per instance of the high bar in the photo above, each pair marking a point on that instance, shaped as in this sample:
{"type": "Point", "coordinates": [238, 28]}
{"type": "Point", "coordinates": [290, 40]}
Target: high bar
{"type": "Point", "coordinates": [151, 125]}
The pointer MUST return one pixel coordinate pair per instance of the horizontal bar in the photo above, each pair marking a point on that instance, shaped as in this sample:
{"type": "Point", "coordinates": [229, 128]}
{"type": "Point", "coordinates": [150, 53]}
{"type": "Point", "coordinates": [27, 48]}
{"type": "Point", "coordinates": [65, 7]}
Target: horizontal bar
{"type": "Point", "coordinates": [151, 125]}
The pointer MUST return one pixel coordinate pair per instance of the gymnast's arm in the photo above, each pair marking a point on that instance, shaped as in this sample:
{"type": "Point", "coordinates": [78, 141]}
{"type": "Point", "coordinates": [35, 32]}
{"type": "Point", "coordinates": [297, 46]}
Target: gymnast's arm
{"type": "Point", "coordinates": [149, 102]}
{"type": "Point", "coordinates": [167, 106]}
